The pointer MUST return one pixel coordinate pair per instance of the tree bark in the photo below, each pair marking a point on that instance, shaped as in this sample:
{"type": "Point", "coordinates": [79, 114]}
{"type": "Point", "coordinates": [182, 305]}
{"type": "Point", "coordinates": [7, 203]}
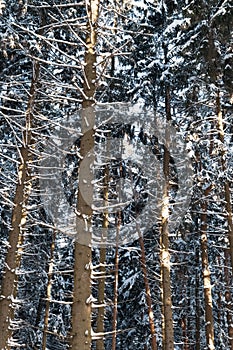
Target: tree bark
{"type": "Point", "coordinates": [228, 300]}
{"type": "Point", "coordinates": [228, 206]}
{"type": "Point", "coordinates": [167, 324]}
{"type": "Point", "coordinates": [81, 308]}
{"type": "Point", "coordinates": [115, 291]}
{"type": "Point", "coordinates": [49, 292]}
{"type": "Point", "coordinates": [19, 216]}
{"type": "Point", "coordinates": [148, 292]}
{"type": "Point", "coordinates": [206, 274]}
{"type": "Point", "coordinates": [81, 337]}
{"type": "Point", "coordinates": [101, 300]}
{"type": "Point", "coordinates": [197, 304]}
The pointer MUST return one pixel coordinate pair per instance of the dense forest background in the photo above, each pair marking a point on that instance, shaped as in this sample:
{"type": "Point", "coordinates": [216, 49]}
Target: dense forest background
{"type": "Point", "coordinates": [167, 289]}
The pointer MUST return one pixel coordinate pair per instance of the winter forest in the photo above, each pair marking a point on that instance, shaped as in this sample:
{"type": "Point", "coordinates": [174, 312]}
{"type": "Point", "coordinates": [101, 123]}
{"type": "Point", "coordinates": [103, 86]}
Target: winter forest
{"type": "Point", "coordinates": [126, 250]}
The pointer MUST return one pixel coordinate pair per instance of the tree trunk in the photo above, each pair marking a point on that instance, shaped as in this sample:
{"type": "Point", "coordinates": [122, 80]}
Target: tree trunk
{"type": "Point", "coordinates": [227, 192]}
{"type": "Point", "coordinates": [101, 300]}
{"type": "Point", "coordinates": [184, 333]}
{"type": "Point", "coordinates": [167, 326]}
{"type": "Point", "coordinates": [228, 299]}
{"type": "Point", "coordinates": [168, 332]}
{"type": "Point", "coordinates": [19, 216]}
{"type": "Point", "coordinates": [115, 291]}
{"type": "Point", "coordinates": [81, 309]}
{"type": "Point", "coordinates": [197, 304]}
{"type": "Point", "coordinates": [101, 285]}
{"type": "Point", "coordinates": [228, 206]}
{"type": "Point", "coordinates": [48, 294]}
{"type": "Point", "coordinates": [206, 274]}
{"type": "Point", "coordinates": [148, 292]}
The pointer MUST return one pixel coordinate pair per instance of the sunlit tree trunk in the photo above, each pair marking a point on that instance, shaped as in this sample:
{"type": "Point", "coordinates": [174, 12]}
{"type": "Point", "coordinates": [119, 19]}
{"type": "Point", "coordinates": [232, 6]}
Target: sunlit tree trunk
{"type": "Point", "coordinates": [206, 273]}
{"type": "Point", "coordinates": [167, 325]}
{"type": "Point", "coordinates": [81, 337]}
{"type": "Point", "coordinates": [19, 216]}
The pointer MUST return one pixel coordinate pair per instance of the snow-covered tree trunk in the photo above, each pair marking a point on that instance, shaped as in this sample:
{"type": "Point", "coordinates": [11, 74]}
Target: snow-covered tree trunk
{"type": "Point", "coordinates": [102, 269]}
{"type": "Point", "coordinates": [81, 337]}
{"type": "Point", "coordinates": [206, 273]}
{"type": "Point", "coordinates": [19, 217]}
{"type": "Point", "coordinates": [167, 326]}
{"type": "Point", "coordinates": [101, 300]}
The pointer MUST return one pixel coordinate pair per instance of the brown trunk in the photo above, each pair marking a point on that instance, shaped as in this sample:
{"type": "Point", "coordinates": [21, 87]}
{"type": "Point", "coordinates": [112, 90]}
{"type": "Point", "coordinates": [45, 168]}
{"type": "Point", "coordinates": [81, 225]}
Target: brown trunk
{"type": "Point", "coordinates": [228, 206]}
{"type": "Point", "coordinates": [81, 308]}
{"type": "Point", "coordinates": [101, 286]}
{"type": "Point", "coordinates": [116, 275]}
{"type": "Point", "coordinates": [228, 299]}
{"type": "Point", "coordinates": [167, 324]}
{"type": "Point", "coordinates": [198, 311]}
{"type": "Point", "coordinates": [48, 294]}
{"type": "Point", "coordinates": [101, 301]}
{"type": "Point", "coordinates": [19, 215]}
{"type": "Point", "coordinates": [227, 192]}
{"type": "Point", "coordinates": [184, 333]}
{"type": "Point", "coordinates": [81, 337]}
{"type": "Point", "coordinates": [168, 332]}
{"type": "Point", "coordinates": [206, 274]}
{"type": "Point", "coordinates": [148, 292]}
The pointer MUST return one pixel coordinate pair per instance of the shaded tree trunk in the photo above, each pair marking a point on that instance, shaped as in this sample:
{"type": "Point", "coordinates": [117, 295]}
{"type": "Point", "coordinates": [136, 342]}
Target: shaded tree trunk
{"type": "Point", "coordinates": [115, 290]}
{"type": "Point", "coordinates": [148, 292]}
{"type": "Point", "coordinates": [228, 206]}
{"type": "Point", "coordinates": [228, 299]}
{"type": "Point", "coordinates": [197, 305]}
{"type": "Point", "coordinates": [49, 292]}
{"type": "Point", "coordinates": [101, 300]}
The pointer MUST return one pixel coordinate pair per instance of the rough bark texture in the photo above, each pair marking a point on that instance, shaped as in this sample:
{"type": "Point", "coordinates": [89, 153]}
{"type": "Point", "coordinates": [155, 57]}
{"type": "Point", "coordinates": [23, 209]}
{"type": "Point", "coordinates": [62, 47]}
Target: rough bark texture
{"type": "Point", "coordinates": [19, 215]}
{"type": "Point", "coordinates": [81, 308]}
